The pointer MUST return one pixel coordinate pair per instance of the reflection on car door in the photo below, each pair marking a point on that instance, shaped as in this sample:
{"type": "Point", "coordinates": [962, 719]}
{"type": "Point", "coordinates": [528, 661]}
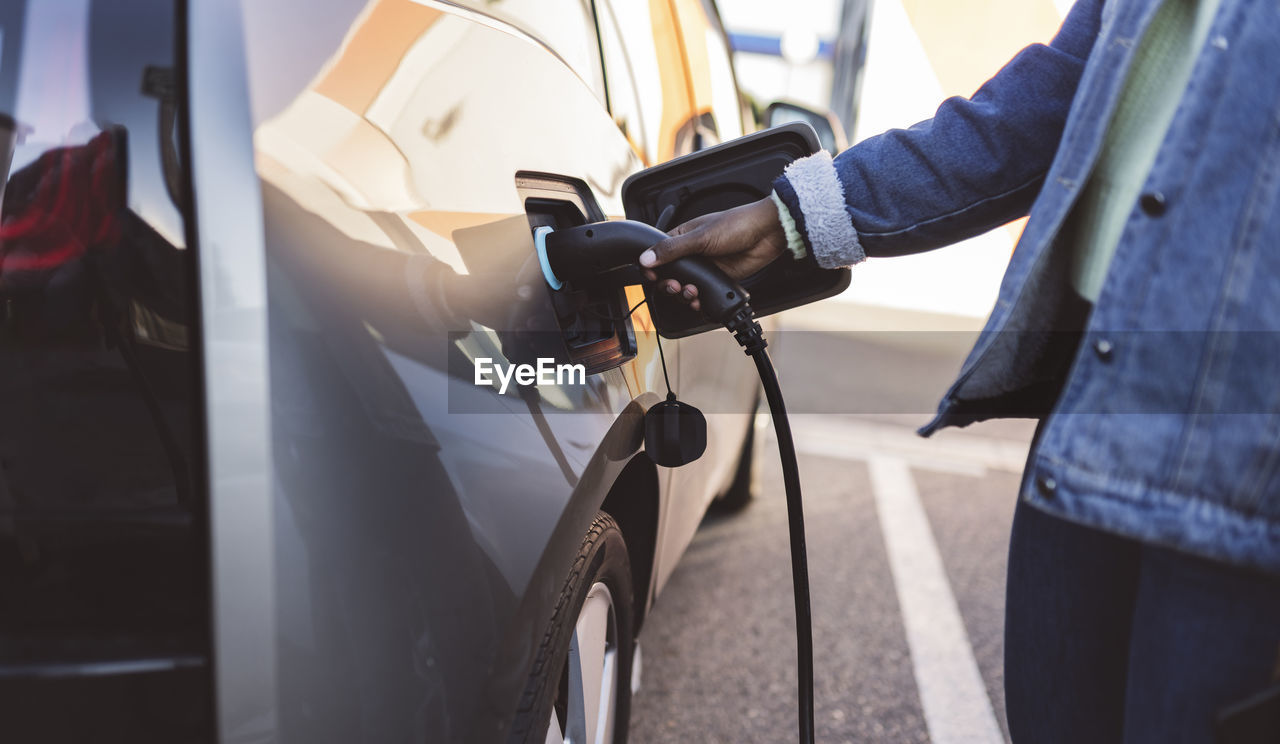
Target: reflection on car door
{"type": "Point", "coordinates": [413, 524]}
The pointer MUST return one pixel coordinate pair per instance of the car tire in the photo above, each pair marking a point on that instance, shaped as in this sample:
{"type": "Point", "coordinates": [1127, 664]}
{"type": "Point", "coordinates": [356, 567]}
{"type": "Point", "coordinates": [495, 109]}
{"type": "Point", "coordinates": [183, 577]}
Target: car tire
{"type": "Point", "coordinates": [743, 487]}
{"type": "Point", "coordinates": [586, 652]}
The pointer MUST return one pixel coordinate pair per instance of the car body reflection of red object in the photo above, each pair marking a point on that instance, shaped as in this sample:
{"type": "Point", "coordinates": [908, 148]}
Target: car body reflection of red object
{"type": "Point", "coordinates": [62, 205]}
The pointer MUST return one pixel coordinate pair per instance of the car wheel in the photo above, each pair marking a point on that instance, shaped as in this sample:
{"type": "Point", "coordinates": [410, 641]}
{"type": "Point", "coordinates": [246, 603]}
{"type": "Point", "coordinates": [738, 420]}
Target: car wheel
{"type": "Point", "coordinates": [743, 487]}
{"type": "Point", "coordinates": [580, 687]}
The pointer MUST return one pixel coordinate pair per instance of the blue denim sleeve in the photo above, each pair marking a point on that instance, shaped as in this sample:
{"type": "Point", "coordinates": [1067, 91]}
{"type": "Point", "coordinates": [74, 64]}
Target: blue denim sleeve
{"type": "Point", "coordinates": [977, 164]}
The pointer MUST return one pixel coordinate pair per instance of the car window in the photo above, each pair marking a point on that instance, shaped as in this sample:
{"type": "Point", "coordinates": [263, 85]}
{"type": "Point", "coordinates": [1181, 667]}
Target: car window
{"type": "Point", "coordinates": [725, 105]}
{"type": "Point", "coordinates": [635, 76]}
{"type": "Point", "coordinates": [715, 96]}
{"type": "Point", "coordinates": [92, 84]}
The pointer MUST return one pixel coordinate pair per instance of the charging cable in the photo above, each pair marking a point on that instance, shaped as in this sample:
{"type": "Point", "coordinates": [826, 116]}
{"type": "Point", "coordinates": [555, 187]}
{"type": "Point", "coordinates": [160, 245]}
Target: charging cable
{"type": "Point", "coordinates": [750, 336]}
{"type": "Point", "coordinates": [603, 254]}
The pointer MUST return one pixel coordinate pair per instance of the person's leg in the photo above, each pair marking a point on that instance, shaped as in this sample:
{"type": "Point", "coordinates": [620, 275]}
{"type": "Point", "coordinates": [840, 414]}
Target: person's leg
{"type": "Point", "coordinates": [1068, 606]}
{"type": "Point", "coordinates": [1205, 636]}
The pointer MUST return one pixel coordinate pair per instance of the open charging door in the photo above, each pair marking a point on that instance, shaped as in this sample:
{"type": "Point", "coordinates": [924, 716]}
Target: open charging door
{"type": "Point", "coordinates": [718, 178]}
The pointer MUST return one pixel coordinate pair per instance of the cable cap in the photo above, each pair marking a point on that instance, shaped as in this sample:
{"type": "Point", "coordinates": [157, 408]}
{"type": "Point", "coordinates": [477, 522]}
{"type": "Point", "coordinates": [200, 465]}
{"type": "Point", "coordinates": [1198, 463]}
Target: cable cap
{"type": "Point", "coordinates": [675, 433]}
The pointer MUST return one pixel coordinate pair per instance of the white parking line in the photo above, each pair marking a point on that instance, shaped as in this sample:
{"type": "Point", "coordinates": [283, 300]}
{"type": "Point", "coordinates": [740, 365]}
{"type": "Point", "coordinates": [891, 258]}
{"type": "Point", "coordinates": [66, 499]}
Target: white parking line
{"type": "Point", "coordinates": [952, 694]}
{"type": "Point", "coordinates": [949, 452]}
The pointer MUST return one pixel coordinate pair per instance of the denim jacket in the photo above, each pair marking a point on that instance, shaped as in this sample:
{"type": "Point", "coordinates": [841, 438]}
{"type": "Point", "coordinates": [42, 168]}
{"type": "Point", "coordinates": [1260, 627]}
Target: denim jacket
{"type": "Point", "coordinates": [1166, 426]}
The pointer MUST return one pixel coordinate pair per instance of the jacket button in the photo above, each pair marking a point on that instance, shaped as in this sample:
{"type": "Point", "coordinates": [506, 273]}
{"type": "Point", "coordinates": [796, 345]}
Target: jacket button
{"type": "Point", "coordinates": [1153, 203]}
{"type": "Point", "coordinates": [1104, 349]}
{"type": "Point", "coordinates": [1048, 486]}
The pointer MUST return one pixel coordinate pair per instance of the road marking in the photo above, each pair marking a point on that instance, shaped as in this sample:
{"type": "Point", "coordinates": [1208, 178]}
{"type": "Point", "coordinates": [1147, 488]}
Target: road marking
{"type": "Point", "coordinates": [952, 693]}
{"type": "Point", "coordinates": [949, 452]}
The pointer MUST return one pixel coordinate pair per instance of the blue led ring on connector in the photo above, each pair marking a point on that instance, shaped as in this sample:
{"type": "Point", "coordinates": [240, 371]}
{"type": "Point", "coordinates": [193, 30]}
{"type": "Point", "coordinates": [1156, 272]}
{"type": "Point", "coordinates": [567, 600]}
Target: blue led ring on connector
{"type": "Point", "coordinates": [540, 242]}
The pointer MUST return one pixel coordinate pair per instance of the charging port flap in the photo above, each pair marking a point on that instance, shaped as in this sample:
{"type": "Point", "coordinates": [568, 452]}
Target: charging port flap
{"type": "Point", "coordinates": [718, 178]}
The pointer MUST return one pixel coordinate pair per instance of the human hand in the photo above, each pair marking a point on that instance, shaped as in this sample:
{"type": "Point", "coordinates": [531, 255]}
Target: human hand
{"type": "Point", "coordinates": [740, 241]}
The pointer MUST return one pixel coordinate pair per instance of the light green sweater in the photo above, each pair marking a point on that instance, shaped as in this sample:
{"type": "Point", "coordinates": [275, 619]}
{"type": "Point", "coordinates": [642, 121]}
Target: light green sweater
{"type": "Point", "coordinates": [1156, 81]}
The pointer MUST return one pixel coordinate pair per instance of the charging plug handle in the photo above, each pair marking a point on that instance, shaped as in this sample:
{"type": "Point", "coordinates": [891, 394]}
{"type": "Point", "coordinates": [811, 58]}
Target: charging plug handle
{"type": "Point", "coordinates": [604, 254]}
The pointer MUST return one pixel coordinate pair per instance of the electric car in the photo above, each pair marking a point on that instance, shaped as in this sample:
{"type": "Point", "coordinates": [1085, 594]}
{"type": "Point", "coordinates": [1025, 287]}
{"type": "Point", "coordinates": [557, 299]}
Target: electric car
{"type": "Point", "coordinates": [250, 254]}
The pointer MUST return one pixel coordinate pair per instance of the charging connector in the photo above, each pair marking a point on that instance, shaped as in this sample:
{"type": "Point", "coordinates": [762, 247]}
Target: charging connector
{"type": "Point", "coordinates": [603, 254]}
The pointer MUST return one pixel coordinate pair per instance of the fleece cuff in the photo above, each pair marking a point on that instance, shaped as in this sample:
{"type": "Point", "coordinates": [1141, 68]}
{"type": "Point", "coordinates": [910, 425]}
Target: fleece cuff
{"type": "Point", "coordinates": [795, 243]}
{"type": "Point", "coordinates": [812, 185]}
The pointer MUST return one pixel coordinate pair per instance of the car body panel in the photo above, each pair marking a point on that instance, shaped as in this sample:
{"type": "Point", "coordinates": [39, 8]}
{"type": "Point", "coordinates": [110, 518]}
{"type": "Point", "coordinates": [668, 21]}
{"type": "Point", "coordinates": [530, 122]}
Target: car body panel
{"type": "Point", "coordinates": [423, 525]}
{"type": "Point", "coordinates": [233, 295]}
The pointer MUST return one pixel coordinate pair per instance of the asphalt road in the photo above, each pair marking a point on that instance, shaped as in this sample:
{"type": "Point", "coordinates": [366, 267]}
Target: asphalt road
{"type": "Point", "coordinates": [719, 649]}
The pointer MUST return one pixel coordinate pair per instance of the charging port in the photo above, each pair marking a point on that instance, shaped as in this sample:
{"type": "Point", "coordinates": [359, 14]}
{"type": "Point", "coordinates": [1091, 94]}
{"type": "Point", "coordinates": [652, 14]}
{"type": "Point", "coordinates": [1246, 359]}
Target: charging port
{"type": "Point", "coordinates": [597, 332]}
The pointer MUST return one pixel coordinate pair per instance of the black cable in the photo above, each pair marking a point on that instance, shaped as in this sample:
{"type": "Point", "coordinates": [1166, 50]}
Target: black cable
{"type": "Point", "coordinates": [614, 318]}
{"type": "Point", "coordinates": [740, 320]}
{"type": "Point", "coordinates": [663, 357]}
{"type": "Point", "coordinates": [748, 333]}
{"type": "Point", "coordinates": [795, 525]}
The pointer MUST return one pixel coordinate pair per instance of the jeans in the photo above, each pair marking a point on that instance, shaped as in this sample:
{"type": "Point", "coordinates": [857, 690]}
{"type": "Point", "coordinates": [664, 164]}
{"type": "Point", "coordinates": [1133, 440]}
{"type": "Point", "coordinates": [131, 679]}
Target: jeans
{"type": "Point", "coordinates": [1112, 640]}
